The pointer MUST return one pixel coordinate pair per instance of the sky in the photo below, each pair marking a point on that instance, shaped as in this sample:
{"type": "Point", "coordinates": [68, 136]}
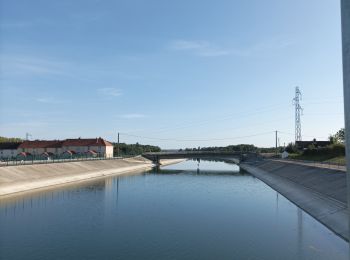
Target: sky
{"type": "Point", "coordinates": [170, 73]}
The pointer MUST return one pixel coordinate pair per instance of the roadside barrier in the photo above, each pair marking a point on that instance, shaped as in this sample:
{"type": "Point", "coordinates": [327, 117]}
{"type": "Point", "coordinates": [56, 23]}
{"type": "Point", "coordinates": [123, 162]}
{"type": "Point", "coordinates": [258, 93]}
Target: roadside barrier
{"type": "Point", "coordinates": [54, 159]}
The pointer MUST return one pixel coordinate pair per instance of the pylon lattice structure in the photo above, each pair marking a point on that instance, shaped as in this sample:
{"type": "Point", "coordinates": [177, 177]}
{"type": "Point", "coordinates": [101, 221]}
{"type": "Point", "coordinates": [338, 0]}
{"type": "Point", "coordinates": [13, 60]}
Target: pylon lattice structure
{"type": "Point", "coordinates": [298, 112]}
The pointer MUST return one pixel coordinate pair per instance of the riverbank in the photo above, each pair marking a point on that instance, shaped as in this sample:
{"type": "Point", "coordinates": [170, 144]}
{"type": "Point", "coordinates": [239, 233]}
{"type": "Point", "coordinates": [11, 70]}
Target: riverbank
{"type": "Point", "coordinates": [318, 191]}
{"type": "Point", "coordinates": [16, 180]}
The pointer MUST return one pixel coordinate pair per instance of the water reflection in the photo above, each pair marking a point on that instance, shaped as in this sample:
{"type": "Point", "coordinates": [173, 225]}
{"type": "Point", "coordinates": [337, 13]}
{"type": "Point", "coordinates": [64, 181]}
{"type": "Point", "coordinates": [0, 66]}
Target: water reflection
{"type": "Point", "coordinates": [300, 233]}
{"type": "Point", "coordinates": [44, 198]}
{"type": "Point", "coordinates": [180, 212]}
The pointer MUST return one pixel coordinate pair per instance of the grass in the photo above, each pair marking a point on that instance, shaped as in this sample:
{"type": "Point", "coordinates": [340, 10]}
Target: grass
{"type": "Point", "coordinates": [319, 158]}
{"type": "Point", "coordinates": [339, 160]}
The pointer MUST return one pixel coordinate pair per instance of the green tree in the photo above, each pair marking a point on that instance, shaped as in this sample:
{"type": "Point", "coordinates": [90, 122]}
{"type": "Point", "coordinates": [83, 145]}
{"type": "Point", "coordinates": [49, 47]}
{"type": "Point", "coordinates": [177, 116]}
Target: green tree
{"type": "Point", "coordinates": [340, 136]}
{"type": "Point", "coordinates": [134, 149]}
{"type": "Point", "coordinates": [10, 139]}
{"type": "Point", "coordinates": [291, 148]}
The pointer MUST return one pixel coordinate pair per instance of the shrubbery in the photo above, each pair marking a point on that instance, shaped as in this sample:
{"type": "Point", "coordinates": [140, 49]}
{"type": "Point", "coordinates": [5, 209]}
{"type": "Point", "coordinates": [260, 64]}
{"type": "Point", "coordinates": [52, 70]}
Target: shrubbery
{"type": "Point", "coordinates": [333, 150]}
{"type": "Point", "coordinates": [229, 148]}
{"type": "Point", "coordinates": [134, 149]}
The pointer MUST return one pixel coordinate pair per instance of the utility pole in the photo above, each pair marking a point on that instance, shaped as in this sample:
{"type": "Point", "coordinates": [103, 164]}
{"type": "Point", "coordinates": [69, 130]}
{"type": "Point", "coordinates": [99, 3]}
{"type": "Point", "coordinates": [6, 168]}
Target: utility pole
{"type": "Point", "coordinates": [345, 21]}
{"type": "Point", "coordinates": [118, 146]}
{"type": "Point", "coordinates": [298, 111]}
{"type": "Point", "coordinates": [276, 141]}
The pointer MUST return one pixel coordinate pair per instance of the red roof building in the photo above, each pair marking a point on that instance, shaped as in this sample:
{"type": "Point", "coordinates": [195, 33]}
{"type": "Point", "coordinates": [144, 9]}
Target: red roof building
{"type": "Point", "coordinates": [41, 144]}
{"type": "Point", "coordinates": [76, 146]}
{"type": "Point", "coordinates": [86, 142]}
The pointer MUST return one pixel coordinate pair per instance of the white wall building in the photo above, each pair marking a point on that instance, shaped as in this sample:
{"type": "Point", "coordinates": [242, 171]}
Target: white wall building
{"type": "Point", "coordinates": [79, 146]}
{"type": "Point", "coordinates": [8, 149]}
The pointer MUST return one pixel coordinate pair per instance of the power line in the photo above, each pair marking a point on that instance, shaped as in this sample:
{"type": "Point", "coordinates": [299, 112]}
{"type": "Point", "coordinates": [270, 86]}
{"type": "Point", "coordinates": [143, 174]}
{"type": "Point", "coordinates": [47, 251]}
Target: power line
{"type": "Point", "coordinates": [196, 140]}
{"type": "Point", "coordinates": [226, 117]}
{"type": "Point", "coordinates": [311, 136]}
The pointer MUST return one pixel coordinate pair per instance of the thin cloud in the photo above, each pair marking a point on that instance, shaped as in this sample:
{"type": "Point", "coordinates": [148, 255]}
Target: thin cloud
{"type": "Point", "coordinates": [132, 116]}
{"type": "Point", "coordinates": [110, 92]}
{"type": "Point", "coordinates": [200, 48]}
{"type": "Point", "coordinates": [49, 100]}
{"type": "Point", "coordinates": [273, 44]}
{"type": "Point", "coordinates": [207, 49]}
{"type": "Point", "coordinates": [27, 65]}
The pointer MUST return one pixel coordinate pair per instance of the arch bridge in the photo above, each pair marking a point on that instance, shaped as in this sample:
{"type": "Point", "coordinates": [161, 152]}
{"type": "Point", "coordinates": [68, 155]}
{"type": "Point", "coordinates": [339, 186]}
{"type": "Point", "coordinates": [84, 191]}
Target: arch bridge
{"type": "Point", "coordinates": [236, 157]}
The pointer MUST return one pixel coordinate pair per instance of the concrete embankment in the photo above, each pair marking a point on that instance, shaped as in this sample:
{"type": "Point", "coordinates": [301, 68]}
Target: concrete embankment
{"type": "Point", "coordinates": [25, 178]}
{"type": "Point", "coordinates": [319, 192]}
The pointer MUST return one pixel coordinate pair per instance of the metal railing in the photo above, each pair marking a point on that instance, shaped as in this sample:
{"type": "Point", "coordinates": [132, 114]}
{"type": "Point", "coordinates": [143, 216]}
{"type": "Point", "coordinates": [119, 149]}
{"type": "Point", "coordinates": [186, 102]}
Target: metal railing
{"type": "Point", "coordinates": [54, 159]}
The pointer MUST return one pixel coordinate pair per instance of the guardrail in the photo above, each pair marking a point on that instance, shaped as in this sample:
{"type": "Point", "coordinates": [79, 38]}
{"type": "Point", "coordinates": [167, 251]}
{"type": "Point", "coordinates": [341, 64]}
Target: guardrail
{"type": "Point", "coordinates": [16, 162]}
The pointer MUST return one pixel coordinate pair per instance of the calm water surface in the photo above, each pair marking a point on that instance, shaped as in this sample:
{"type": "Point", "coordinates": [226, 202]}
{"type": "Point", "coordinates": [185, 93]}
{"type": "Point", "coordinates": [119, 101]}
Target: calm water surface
{"type": "Point", "coordinates": [180, 212]}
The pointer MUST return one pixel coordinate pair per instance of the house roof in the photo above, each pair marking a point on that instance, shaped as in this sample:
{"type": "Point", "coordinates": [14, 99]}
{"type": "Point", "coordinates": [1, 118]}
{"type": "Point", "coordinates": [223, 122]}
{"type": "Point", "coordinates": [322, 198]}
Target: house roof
{"type": "Point", "coordinates": [25, 154]}
{"type": "Point", "coordinates": [86, 142]}
{"type": "Point", "coordinates": [91, 152]}
{"type": "Point", "coordinates": [47, 154]}
{"type": "Point", "coordinates": [9, 145]}
{"type": "Point", "coordinates": [41, 144]}
{"type": "Point", "coordinates": [305, 144]}
{"type": "Point", "coordinates": [313, 142]}
{"type": "Point", "coordinates": [70, 152]}
{"type": "Point", "coordinates": [68, 142]}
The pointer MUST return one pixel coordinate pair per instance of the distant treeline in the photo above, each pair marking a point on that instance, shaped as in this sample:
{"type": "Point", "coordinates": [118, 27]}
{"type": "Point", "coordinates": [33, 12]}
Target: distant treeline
{"type": "Point", "coordinates": [229, 148]}
{"type": "Point", "coordinates": [237, 148]}
{"type": "Point", "coordinates": [10, 139]}
{"type": "Point", "coordinates": [134, 149]}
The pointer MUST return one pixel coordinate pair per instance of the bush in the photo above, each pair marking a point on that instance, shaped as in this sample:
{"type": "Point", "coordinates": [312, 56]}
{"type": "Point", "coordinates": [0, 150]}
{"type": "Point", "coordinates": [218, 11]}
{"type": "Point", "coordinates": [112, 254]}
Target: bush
{"type": "Point", "coordinates": [338, 149]}
{"type": "Point", "coordinates": [291, 148]}
{"type": "Point", "coordinates": [330, 151]}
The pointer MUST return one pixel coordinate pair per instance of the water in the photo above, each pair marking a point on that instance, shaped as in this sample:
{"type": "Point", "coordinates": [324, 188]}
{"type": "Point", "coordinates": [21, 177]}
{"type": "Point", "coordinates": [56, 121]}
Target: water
{"type": "Point", "coordinates": [177, 213]}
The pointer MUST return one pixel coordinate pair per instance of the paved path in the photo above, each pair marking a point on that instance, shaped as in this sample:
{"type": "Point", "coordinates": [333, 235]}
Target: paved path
{"type": "Point", "coordinates": [314, 164]}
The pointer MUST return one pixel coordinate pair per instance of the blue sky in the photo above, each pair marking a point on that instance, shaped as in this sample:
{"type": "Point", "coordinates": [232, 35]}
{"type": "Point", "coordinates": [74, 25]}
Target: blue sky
{"type": "Point", "coordinates": [191, 73]}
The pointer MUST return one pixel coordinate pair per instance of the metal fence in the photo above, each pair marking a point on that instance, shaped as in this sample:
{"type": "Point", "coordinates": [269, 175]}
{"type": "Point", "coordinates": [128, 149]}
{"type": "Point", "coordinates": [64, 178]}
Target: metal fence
{"type": "Point", "coordinates": [54, 159]}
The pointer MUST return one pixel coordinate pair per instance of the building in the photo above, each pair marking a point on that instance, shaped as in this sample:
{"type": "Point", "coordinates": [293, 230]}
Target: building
{"type": "Point", "coordinates": [284, 155]}
{"type": "Point", "coordinates": [301, 145]}
{"type": "Point", "coordinates": [67, 148]}
{"type": "Point", "coordinates": [8, 149]}
{"type": "Point", "coordinates": [89, 147]}
{"type": "Point", "coordinates": [38, 148]}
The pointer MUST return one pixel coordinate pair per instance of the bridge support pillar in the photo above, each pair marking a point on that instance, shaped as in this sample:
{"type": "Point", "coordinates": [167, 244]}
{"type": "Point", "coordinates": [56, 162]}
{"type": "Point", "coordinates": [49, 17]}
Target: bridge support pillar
{"type": "Point", "coordinates": [156, 160]}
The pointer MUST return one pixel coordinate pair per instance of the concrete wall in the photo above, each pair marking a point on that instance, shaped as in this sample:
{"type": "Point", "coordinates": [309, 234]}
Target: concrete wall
{"type": "Point", "coordinates": [329, 182]}
{"type": "Point", "coordinates": [320, 192]}
{"type": "Point", "coordinates": [109, 151]}
{"type": "Point", "coordinates": [8, 153]}
{"type": "Point", "coordinates": [15, 179]}
{"type": "Point", "coordinates": [106, 151]}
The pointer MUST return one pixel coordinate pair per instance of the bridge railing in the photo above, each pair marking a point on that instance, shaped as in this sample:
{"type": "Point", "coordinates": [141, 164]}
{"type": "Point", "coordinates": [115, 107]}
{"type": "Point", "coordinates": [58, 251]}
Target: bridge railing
{"type": "Point", "coordinates": [198, 152]}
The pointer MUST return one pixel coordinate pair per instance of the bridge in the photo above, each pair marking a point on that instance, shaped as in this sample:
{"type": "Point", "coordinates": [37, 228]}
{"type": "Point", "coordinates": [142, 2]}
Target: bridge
{"type": "Point", "coordinates": [236, 157]}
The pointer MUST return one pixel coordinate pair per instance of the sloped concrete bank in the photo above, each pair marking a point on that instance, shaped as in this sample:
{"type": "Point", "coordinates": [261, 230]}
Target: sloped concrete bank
{"type": "Point", "coordinates": [319, 192]}
{"type": "Point", "coordinates": [15, 180]}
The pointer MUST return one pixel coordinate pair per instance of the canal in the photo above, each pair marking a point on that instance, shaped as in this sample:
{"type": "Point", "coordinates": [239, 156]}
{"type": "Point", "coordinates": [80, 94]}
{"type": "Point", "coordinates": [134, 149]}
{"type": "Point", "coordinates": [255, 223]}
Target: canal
{"type": "Point", "coordinates": [183, 211]}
